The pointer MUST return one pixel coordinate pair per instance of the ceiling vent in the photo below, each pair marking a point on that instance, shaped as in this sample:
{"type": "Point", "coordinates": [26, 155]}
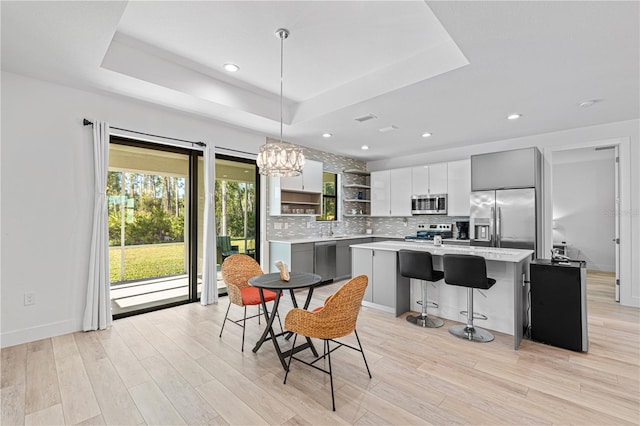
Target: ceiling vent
{"type": "Point", "coordinates": [364, 118]}
{"type": "Point", "coordinates": [388, 129]}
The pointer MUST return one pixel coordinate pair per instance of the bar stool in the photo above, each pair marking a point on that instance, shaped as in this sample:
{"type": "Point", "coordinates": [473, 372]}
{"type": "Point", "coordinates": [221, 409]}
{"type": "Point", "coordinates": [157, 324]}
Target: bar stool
{"type": "Point", "coordinates": [468, 271]}
{"type": "Point", "coordinates": [419, 265]}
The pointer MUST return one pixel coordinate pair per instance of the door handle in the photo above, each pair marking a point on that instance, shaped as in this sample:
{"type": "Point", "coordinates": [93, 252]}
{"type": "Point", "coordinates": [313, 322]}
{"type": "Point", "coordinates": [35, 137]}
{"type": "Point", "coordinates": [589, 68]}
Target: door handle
{"type": "Point", "coordinates": [499, 226]}
{"type": "Point", "coordinates": [492, 223]}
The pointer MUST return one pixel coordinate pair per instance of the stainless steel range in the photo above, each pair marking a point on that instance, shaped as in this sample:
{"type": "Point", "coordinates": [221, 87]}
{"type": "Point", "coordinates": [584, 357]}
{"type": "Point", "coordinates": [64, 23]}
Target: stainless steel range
{"type": "Point", "coordinates": [431, 230]}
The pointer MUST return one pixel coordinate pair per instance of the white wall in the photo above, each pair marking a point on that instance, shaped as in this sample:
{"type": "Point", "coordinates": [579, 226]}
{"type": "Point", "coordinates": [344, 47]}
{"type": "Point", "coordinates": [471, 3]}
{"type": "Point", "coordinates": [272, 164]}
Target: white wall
{"type": "Point", "coordinates": [624, 132]}
{"type": "Point", "coordinates": [47, 194]}
{"type": "Point", "coordinates": [583, 203]}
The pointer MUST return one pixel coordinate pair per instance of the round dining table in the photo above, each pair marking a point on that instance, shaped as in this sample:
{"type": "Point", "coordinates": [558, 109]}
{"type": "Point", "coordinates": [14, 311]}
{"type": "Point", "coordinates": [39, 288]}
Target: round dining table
{"type": "Point", "coordinates": [273, 282]}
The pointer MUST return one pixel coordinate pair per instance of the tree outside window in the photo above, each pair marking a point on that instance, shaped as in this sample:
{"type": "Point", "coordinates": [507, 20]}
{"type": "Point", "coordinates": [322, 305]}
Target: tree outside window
{"type": "Point", "coordinates": [329, 197]}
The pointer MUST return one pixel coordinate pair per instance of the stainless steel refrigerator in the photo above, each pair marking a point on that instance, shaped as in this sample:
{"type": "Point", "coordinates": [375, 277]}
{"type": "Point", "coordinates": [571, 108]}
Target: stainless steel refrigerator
{"type": "Point", "coordinates": [506, 200]}
{"type": "Point", "coordinates": [504, 218]}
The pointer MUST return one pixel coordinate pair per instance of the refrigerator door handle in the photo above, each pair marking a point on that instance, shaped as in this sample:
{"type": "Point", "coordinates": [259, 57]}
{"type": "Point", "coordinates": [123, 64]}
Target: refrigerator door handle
{"type": "Point", "coordinates": [491, 226]}
{"type": "Point", "coordinates": [498, 226]}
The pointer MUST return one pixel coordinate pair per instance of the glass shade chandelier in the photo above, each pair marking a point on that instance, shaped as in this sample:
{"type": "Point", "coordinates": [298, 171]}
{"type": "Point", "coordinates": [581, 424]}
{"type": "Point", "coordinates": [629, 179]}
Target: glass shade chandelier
{"type": "Point", "coordinates": [278, 158]}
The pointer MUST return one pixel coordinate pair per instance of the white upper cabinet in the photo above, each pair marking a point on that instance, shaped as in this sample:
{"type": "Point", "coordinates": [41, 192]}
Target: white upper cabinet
{"type": "Point", "coordinates": [459, 173]}
{"type": "Point", "coordinates": [297, 195]}
{"type": "Point", "coordinates": [420, 180]}
{"type": "Point", "coordinates": [391, 192]}
{"type": "Point", "coordinates": [400, 192]}
{"type": "Point", "coordinates": [310, 180]}
{"type": "Point", "coordinates": [291, 183]}
{"type": "Point", "coordinates": [431, 179]}
{"type": "Point", "coordinates": [438, 178]}
{"type": "Point", "coordinates": [380, 193]}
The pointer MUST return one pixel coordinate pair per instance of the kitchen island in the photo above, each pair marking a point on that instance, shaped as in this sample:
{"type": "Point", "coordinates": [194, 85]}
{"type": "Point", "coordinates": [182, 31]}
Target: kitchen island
{"type": "Point", "coordinates": [505, 303]}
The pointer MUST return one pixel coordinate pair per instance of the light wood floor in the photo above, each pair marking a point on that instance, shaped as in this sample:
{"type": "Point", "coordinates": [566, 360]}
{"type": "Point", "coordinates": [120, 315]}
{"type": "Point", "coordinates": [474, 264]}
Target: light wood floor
{"type": "Point", "coordinates": [170, 367]}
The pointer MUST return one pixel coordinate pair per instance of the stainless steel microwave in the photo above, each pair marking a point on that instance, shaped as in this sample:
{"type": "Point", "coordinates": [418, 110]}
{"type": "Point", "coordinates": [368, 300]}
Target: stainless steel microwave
{"type": "Point", "coordinates": [429, 204]}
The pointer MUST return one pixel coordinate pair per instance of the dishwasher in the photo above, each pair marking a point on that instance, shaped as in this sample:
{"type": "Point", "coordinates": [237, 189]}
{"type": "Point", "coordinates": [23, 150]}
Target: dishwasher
{"type": "Point", "coordinates": [325, 260]}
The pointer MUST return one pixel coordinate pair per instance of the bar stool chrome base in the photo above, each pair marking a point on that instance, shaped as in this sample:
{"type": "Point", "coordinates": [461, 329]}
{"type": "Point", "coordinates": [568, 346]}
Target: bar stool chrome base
{"type": "Point", "coordinates": [475, 334]}
{"type": "Point", "coordinates": [425, 321]}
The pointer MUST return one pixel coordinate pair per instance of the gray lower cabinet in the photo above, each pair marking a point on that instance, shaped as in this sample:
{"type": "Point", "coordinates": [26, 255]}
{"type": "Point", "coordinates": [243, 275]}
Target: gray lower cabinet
{"type": "Point", "coordinates": [343, 260]}
{"type": "Point", "coordinates": [343, 256]}
{"type": "Point", "coordinates": [302, 257]}
{"type": "Point", "coordinates": [384, 278]}
{"type": "Point", "coordinates": [387, 289]}
{"type": "Point", "coordinates": [362, 264]}
{"type": "Point", "coordinates": [298, 256]}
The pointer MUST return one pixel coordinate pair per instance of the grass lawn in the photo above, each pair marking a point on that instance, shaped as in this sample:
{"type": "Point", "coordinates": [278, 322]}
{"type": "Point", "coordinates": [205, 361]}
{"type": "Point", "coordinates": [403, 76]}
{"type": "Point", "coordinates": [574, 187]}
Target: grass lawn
{"type": "Point", "coordinates": [153, 260]}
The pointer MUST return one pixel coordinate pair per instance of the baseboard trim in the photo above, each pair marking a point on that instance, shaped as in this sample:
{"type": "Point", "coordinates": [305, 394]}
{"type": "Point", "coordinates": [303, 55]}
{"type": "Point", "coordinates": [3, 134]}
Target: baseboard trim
{"type": "Point", "coordinates": [31, 334]}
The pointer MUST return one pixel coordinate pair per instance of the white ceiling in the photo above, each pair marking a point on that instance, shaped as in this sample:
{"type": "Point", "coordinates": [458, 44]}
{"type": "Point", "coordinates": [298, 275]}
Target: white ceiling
{"type": "Point", "coordinates": [455, 69]}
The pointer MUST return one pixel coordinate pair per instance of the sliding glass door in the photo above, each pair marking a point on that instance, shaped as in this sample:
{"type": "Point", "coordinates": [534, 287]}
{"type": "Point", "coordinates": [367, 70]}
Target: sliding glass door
{"type": "Point", "coordinates": [155, 226]}
{"type": "Point", "coordinates": [236, 209]}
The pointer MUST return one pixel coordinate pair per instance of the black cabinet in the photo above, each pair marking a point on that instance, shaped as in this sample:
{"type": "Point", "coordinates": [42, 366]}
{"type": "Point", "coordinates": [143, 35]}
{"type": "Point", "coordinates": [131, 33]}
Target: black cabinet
{"type": "Point", "coordinates": [559, 304]}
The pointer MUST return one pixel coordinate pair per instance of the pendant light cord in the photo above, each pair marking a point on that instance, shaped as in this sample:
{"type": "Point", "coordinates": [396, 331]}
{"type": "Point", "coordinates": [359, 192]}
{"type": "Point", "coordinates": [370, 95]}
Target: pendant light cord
{"type": "Point", "coordinates": [282, 37]}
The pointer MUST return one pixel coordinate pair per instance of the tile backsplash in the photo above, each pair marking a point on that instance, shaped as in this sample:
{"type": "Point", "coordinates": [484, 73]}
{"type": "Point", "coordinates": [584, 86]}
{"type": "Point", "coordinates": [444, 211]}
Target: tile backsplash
{"type": "Point", "coordinates": [293, 227]}
{"type": "Point", "coordinates": [402, 226]}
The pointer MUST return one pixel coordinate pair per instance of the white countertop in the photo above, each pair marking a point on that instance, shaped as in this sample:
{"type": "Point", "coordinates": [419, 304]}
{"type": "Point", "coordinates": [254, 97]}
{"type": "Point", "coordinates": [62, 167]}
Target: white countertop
{"type": "Point", "coordinates": [332, 238]}
{"type": "Point", "coordinates": [357, 236]}
{"type": "Point", "coordinates": [489, 253]}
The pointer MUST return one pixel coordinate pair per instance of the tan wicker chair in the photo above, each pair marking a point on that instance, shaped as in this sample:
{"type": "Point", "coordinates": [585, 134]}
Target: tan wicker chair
{"type": "Point", "coordinates": [337, 318]}
{"type": "Point", "coordinates": [236, 271]}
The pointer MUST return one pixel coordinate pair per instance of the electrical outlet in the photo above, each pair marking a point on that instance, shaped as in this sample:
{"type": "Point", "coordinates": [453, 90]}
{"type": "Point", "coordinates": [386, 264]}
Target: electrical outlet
{"type": "Point", "coordinates": [277, 225]}
{"type": "Point", "coordinates": [309, 225]}
{"type": "Point", "coordinates": [286, 225]}
{"type": "Point", "coordinates": [30, 298]}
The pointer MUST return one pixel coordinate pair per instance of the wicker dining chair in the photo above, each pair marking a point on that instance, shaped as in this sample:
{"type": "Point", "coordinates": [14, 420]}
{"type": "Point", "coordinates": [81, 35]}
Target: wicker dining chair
{"type": "Point", "coordinates": [236, 271]}
{"type": "Point", "coordinates": [337, 318]}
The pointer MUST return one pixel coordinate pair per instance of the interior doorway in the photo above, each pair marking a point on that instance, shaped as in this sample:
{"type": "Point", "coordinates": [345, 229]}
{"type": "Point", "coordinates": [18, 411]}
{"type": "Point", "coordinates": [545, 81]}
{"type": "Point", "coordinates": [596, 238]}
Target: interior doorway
{"type": "Point", "coordinates": [585, 218]}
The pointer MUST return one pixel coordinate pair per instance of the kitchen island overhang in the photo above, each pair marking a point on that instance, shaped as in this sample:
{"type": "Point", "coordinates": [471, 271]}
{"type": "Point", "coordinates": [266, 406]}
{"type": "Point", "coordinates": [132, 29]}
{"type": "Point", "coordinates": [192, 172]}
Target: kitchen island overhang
{"type": "Point", "coordinates": [505, 303]}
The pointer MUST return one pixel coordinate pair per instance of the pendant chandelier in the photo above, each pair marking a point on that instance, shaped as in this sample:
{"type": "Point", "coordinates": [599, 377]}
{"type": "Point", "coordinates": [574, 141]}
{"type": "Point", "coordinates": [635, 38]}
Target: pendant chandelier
{"type": "Point", "coordinates": [278, 158]}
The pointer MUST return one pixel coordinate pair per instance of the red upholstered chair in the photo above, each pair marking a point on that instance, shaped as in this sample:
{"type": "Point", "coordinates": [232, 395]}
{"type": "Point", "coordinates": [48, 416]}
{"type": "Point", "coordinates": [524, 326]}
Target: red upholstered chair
{"type": "Point", "coordinates": [236, 271]}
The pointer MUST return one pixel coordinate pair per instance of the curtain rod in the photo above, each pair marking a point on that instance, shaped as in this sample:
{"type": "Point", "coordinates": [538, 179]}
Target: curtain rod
{"type": "Point", "coordinates": [235, 150]}
{"type": "Point", "coordinates": [88, 122]}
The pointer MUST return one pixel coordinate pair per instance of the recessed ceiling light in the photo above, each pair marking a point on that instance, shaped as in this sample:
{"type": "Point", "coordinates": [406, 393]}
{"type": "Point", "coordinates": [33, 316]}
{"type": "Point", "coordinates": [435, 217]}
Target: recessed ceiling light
{"type": "Point", "coordinates": [426, 135]}
{"type": "Point", "coordinates": [514, 116]}
{"type": "Point", "coordinates": [246, 171]}
{"type": "Point", "coordinates": [326, 135]}
{"type": "Point", "coordinates": [590, 102]}
{"type": "Point", "coordinates": [364, 147]}
{"type": "Point", "coordinates": [231, 67]}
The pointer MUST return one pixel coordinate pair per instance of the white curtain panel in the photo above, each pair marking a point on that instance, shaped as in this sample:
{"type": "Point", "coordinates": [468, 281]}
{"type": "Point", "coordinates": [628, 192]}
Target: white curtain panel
{"type": "Point", "coordinates": [97, 312]}
{"type": "Point", "coordinates": [209, 272]}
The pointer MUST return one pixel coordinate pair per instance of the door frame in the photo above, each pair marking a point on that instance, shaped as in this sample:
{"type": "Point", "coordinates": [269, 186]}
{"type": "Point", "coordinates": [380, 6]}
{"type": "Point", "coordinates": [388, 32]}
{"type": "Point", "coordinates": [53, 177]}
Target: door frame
{"type": "Point", "coordinates": [257, 183]}
{"type": "Point", "coordinates": [624, 187]}
{"type": "Point", "coordinates": [192, 249]}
